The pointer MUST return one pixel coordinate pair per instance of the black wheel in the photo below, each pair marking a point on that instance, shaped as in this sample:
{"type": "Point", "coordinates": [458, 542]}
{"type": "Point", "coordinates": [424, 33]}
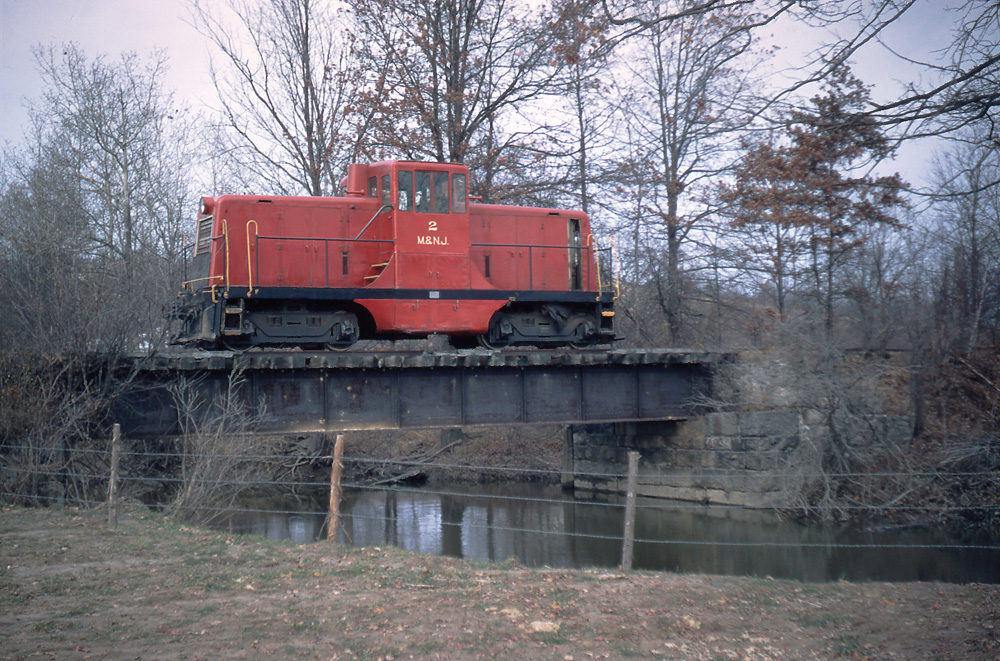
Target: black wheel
{"type": "Point", "coordinates": [486, 343]}
{"type": "Point", "coordinates": [581, 338]}
{"type": "Point", "coordinates": [338, 347]}
{"type": "Point", "coordinates": [231, 345]}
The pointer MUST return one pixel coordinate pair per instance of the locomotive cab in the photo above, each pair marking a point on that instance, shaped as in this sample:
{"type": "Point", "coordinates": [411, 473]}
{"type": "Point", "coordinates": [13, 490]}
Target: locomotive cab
{"type": "Point", "coordinates": [402, 252]}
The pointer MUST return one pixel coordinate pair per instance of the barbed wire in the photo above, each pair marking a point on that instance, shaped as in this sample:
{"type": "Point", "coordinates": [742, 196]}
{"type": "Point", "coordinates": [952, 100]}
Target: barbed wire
{"type": "Point", "coordinates": [538, 531]}
{"type": "Point", "coordinates": [85, 465]}
{"type": "Point", "coordinates": [659, 504]}
{"type": "Point", "coordinates": [416, 463]}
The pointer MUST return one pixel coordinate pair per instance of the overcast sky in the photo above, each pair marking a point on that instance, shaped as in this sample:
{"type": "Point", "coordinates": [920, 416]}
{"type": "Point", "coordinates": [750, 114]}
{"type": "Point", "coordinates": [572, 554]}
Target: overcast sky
{"type": "Point", "coordinates": [114, 26]}
{"type": "Point", "coordinates": [98, 26]}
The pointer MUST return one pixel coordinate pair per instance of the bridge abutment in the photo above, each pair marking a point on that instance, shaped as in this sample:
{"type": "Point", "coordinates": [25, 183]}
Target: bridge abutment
{"type": "Point", "coordinates": [744, 459]}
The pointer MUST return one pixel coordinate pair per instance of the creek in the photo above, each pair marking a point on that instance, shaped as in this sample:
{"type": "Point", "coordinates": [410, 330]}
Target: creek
{"type": "Point", "coordinates": [543, 526]}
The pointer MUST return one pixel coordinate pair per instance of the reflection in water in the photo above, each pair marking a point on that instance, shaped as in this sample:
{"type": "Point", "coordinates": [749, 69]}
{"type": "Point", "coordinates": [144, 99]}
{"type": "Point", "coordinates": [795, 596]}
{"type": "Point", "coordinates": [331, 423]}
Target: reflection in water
{"type": "Point", "coordinates": [539, 525]}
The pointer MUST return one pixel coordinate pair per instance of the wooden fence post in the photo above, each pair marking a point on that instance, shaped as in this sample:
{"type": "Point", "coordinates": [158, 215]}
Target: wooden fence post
{"type": "Point", "coordinates": [335, 472]}
{"type": "Point", "coordinates": [116, 438]}
{"type": "Point", "coordinates": [629, 536]}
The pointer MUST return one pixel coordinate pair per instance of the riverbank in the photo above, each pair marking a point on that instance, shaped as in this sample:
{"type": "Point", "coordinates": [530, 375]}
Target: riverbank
{"type": "Point", "coordinates": [154, 588]}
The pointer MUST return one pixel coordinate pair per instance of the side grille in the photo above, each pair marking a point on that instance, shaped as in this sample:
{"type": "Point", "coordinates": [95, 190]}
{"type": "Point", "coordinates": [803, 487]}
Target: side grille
{"type": "Point", "coordinates": [203, 242]}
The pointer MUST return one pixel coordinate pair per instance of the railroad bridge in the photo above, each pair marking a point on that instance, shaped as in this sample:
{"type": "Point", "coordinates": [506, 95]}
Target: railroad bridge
{"type": "Point", "coordinates": [611, 401]}
{"type": "Point", "coordinates": [300, 392]}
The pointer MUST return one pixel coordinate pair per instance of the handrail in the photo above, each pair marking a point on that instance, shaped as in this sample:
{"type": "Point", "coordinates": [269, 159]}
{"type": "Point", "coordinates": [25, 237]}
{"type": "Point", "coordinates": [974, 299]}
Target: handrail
{"type": "Point", "coordinates": [377, 214]}
{"type": "Point", "coordinates": [249, 264]}
{"type": "Point", "coordinates": [559, 246]}
{"type": "Point", "coordinates": [258, 238]}
{"type": "Point", "coordinates": [190, 283]}
{"type": "Point", "coordinates": [265, 237]}
{"type": "Point", "coordinates": [225, 243]}
{"type": "Point", "coordinates": [591, 243]}
{"type": "Point", "coordinates": [616, 266]}
{"type": "Point", "coordinates": [614, 283]}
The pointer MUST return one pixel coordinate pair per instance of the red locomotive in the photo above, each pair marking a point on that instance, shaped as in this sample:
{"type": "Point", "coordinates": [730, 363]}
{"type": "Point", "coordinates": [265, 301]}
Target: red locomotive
{"type": "Point", "coordinates": [403, 253]}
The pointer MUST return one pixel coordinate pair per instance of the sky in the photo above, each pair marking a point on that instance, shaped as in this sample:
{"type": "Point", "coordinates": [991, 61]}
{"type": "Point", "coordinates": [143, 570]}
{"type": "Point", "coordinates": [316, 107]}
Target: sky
{"type": "Point", "coordinates": [115, 26]}
{"type": "Point", "coordinates": [97, 26]}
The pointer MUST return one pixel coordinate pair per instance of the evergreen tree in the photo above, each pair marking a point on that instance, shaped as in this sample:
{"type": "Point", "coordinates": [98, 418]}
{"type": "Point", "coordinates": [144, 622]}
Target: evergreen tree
{"type": "Point", "coordinates": [815, 197]}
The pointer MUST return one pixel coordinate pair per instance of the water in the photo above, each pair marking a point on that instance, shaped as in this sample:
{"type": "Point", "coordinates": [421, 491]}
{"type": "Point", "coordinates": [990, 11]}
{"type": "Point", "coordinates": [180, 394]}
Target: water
{"type": "Point", "coordinates": [542, 526]}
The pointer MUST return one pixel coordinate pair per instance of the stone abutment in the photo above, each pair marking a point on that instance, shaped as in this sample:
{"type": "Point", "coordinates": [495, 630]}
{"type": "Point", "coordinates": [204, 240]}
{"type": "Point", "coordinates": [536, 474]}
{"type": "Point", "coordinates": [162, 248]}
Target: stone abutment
{"type": "Point", "coordinates": [746, 459]}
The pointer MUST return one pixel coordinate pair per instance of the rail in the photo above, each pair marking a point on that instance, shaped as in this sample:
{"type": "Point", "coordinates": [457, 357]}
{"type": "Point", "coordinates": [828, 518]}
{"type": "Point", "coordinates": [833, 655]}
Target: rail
{"type": "Point", "coordinates": [590, 249]}
{"type": "Point", "coordinates": [377, 214]}
{"type": "Point", "coordinates": [591, 252]}
{"type": "Point", "coordinates": [249, 263]}
{"type": "Point", "coordinates": [613, 284]}
{"type": "Point", "coordinates": [259, 239]}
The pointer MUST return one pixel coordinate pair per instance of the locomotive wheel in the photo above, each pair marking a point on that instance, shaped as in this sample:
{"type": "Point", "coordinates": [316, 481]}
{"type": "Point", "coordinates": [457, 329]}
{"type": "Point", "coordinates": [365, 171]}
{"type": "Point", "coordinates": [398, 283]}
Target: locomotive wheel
{"type": "Point", "coordinates": [580, 339]}
{"type": "Point", "coordinates": [330, 346]}
{"type": "Point", "coordinates": [486, 343]}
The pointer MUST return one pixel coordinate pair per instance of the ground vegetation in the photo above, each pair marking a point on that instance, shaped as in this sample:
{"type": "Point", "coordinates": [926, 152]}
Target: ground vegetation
{"type": "Point", "coordinates": [156, 587]}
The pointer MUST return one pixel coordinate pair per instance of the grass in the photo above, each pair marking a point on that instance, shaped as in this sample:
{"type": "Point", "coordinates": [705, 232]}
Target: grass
{"type": "Point", "coordinates": [626, 651]}
{"type": "Point", "coordinates": [157, 584]}
{"type": "Point", "coordinates": [820, 619]}
{"type": "Point", "coordinates": [845, 645]}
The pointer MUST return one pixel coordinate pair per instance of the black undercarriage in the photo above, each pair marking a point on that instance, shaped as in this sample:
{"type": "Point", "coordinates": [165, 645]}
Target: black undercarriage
{"type": "Point", "coordinates": [242, 319]}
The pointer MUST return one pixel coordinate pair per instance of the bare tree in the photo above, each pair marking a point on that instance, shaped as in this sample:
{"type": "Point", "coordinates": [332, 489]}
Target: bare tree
{"type": "Point", "coordinates": [90, 208]}
{"type": "Point", "coordinates": [93, 206]}
{"type": "Point", "coordinates": [457, 72]}
{"type": "Point", "coordinates": [288, 88]}
{"type": "Point", "coordinates": [575, 125]}
{"type": "Point", "coordinates": [115, 127]}
{"type": "Point", "coordinates": [968, 235]}
{"type": "Point", "coordinates": [692, 90]}
{"type": "Point", "coordinates": [966, 82]}
{"type": "Point", "coordinates": [967, 90]}
{"type": "Point", "coordinates": [220, 454]}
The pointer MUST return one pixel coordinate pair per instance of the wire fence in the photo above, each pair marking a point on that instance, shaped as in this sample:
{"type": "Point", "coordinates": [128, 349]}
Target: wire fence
{"type": "Point", "coordinates": [295, 487]}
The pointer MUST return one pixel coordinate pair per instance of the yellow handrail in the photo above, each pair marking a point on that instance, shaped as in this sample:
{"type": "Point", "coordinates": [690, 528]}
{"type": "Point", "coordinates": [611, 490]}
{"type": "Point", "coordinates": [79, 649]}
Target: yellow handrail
{"type": "Point", "coordinates": [189, 284]}
{"type": "Point", "coordinates": [592, 241]}
{"type": "Point", "coordinates": [249, 261]}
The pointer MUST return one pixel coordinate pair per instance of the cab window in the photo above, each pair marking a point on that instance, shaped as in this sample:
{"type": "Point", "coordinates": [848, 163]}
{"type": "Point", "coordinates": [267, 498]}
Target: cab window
{"type": "Point", "coordinates": [372, 187]}
{"type": "Point", "coordinates": [422, 192]}
{"type": "Point", "coordinates": [405, 181]}
{"type": "Point", "coordinates": [440, 192]}
{"type": "Point", "coordinates": [386, 185]}
{"type": "Point", "coordinates": [458, 193]}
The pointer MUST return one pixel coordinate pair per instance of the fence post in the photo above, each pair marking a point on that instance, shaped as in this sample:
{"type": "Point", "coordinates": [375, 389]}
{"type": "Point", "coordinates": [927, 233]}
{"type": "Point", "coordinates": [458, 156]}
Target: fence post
{"type": "Point", "coordinates": [116, 437]}
{"type": "Point", "coordinates": [629, 535]}
{"type": "Point", "coordinates": [335, 472]}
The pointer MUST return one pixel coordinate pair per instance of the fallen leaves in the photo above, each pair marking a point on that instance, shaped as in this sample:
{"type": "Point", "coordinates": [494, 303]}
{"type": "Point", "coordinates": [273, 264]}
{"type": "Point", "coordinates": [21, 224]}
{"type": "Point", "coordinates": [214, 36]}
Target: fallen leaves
{"type": "Point", "coordinates": [542, 626]}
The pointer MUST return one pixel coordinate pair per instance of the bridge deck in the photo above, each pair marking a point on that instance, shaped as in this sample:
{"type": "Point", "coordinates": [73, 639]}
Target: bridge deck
{"type": "Point", "coordinates": [331, 391]}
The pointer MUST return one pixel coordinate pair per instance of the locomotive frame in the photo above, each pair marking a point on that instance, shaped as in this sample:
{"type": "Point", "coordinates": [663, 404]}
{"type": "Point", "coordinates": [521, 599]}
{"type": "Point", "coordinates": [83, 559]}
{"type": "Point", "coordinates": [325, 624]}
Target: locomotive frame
{"type": "Point", "coordinates": [403, 252]}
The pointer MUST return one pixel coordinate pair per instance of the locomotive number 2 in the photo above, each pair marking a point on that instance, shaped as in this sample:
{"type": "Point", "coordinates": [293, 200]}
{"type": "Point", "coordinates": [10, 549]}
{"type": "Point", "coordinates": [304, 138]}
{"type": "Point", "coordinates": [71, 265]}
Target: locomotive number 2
{"type": "Point", "coordinates": [432, 226]}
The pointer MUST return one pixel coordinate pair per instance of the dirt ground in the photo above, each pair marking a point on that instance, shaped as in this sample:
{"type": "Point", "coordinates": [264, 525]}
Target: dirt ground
{"type": "Point", "coordinates": [70, 588]}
